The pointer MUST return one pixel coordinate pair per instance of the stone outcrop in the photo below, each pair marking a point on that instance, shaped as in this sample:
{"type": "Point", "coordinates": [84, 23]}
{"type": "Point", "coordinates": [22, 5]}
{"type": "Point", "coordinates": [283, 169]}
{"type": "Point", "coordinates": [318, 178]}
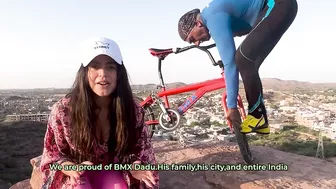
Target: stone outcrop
{"type": "Point", "coordinates": [303, 172]}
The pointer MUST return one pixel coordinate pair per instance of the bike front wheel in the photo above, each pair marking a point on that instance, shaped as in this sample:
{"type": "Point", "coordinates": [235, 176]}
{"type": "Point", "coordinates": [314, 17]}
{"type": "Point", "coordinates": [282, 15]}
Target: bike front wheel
{"type": "Point", "coordinates": [243, 145]}
{"type": "Point", "coordinates": [241, 138]}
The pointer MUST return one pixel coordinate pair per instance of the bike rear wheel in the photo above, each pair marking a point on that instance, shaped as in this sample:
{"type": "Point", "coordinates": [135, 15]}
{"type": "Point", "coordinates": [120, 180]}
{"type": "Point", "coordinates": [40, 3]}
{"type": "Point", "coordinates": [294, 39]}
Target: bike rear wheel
{"type": "Point", "coordinates": [149, 116]}
{"type": "Point", "coordinates": [243, 145]}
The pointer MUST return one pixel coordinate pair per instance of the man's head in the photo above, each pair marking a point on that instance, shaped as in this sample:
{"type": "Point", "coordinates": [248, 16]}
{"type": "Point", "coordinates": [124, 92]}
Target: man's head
{"type": "Point", "coordinates": [191, 28]}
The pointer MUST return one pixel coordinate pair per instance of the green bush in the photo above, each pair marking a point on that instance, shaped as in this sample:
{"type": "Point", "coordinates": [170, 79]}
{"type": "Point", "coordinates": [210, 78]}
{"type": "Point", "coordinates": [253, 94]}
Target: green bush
{"type": "Point", "coordinates": [194, 123]}
{"type": "Point", "coordinates": [289, 127]}
{"type": "Point", "coordinates": [300, 128]}
{"type": "Point", "coordinates": [289, 141]}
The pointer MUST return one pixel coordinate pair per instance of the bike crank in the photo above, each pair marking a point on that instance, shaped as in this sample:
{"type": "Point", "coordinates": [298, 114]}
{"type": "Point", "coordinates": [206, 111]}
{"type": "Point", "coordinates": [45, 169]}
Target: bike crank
{"type": "Point", "coordinates": [171, 120]}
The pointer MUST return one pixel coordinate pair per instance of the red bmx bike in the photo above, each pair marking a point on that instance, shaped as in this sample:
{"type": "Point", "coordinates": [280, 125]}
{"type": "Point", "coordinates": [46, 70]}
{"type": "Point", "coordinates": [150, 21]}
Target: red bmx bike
{"type": "Point", "coordinates": [169, 118]}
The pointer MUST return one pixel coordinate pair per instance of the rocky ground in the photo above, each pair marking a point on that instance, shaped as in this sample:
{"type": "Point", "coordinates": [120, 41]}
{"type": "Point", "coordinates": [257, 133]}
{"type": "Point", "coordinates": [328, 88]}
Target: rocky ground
{"type": "Point", "coordinates": [19, 142]}
{"type": "Point", "coordinates": [303, 172]}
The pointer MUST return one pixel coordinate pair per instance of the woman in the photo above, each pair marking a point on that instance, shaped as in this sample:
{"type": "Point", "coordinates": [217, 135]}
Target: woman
{"type": "Point", "coordinates": [98, 122]}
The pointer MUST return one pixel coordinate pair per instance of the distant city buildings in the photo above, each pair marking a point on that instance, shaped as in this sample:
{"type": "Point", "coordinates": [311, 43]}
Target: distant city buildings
{"type": "Point", "coordinates": [27, 117]}
{"type": "Point", "coordinates": [28, 105]}
{"type": "Point", "coordinates": [313, 109]}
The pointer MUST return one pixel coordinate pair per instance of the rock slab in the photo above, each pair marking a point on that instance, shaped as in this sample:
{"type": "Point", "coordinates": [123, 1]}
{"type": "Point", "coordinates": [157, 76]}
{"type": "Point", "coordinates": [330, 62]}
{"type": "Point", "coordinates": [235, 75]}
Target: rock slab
{"type": "Point", "coordinates": [303, 172]}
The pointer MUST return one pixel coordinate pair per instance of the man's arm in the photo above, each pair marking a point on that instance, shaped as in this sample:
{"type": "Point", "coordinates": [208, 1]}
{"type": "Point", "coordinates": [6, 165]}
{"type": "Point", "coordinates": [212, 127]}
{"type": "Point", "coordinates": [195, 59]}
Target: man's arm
{"type": "Point", "coordinates": [220, 30]}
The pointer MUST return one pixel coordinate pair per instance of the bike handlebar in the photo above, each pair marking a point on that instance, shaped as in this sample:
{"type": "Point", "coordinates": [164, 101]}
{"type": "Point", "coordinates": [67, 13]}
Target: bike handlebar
{"type": "Point", "coordinates": [203, 48]}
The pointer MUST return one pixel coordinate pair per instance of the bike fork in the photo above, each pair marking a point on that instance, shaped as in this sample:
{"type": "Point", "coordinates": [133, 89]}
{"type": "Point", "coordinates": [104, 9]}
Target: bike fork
{"type": "Point", "coordinates": [162, 107]}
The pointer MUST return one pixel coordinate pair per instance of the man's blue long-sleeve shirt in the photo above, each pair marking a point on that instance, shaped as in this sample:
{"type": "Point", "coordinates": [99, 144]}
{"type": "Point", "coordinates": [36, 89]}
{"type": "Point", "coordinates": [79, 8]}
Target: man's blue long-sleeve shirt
{"type": "Point", "coordinates": [225, 19]}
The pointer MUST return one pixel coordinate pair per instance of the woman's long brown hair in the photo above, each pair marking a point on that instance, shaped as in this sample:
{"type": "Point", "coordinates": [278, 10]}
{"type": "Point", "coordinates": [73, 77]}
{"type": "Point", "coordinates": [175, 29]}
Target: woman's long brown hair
{"type": "Point", "coordinates": [122, 113]}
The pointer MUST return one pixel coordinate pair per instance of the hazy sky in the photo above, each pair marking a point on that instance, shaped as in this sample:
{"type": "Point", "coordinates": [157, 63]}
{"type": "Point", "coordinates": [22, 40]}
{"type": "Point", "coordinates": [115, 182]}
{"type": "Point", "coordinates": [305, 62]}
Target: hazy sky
{"type": "Point", "coordinates": [38, 38]}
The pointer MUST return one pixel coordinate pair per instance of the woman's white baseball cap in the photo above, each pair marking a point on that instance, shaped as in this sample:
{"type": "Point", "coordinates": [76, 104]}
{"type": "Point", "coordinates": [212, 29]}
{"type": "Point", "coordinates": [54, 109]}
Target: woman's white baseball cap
{"type": "Point", "coordinates": [95, 46]}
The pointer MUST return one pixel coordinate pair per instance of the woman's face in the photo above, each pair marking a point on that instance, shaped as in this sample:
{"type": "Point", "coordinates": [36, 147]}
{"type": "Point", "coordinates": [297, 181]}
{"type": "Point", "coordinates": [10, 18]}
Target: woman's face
{"type": "Point", "coordinates": [102, 75]}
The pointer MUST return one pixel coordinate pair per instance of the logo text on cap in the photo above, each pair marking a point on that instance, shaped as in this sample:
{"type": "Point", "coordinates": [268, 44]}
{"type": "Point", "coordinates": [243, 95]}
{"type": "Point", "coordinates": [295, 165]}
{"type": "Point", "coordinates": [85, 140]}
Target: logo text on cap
{"type": "Point", "coordinates": [100, 44]}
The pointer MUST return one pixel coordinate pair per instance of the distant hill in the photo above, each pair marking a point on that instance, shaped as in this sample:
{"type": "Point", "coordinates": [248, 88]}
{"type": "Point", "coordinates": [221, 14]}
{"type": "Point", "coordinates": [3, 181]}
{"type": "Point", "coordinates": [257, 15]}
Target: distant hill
{"type": "Point", "coordinates": [152, 86]}
{"type": "Point", "coordinates": [278, 84]}
{"type": "Point", "coordinates": [268, 83]}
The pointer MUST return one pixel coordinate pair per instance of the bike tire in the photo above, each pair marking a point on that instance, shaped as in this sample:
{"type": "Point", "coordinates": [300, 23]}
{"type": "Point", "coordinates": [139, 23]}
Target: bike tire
{"type": "Point", "coordinates": [149, 116]}
{"type": "Point", "coordinates": [243, 146]}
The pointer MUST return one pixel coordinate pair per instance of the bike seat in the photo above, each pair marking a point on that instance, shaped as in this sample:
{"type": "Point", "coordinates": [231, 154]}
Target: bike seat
{"type": "Point", "coordinates": [160, 52]}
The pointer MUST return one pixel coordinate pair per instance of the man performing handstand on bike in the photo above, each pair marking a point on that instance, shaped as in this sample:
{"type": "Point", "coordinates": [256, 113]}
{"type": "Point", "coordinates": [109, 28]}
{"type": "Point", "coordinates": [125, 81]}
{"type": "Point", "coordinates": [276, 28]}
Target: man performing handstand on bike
{"type": "Point", "coordinates": [265, 21]}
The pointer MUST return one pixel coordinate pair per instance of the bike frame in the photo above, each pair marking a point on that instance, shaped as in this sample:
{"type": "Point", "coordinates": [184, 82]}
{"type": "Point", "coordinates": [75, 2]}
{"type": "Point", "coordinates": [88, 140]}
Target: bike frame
{"type": "Point", "coordinates": [200, 88]}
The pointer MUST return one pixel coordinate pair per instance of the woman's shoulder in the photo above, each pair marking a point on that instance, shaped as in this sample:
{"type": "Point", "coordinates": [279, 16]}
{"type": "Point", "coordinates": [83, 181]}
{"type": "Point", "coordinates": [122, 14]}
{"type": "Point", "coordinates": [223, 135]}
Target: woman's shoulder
{"type": "Point", "coordinates": [61, 106]}
{"type": "Point", "coordinates": [59, 115]}
{"type": "Point", "coordinates": [140, 112]}
{"type": "Point", "coordinates": [138, 108]}
{"type": "Point", "coordinates": [62, 102]}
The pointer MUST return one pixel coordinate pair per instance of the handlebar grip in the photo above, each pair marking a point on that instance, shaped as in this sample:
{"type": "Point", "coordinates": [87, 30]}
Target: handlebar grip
{"type": "Point", "coordinates": [220, 64]}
